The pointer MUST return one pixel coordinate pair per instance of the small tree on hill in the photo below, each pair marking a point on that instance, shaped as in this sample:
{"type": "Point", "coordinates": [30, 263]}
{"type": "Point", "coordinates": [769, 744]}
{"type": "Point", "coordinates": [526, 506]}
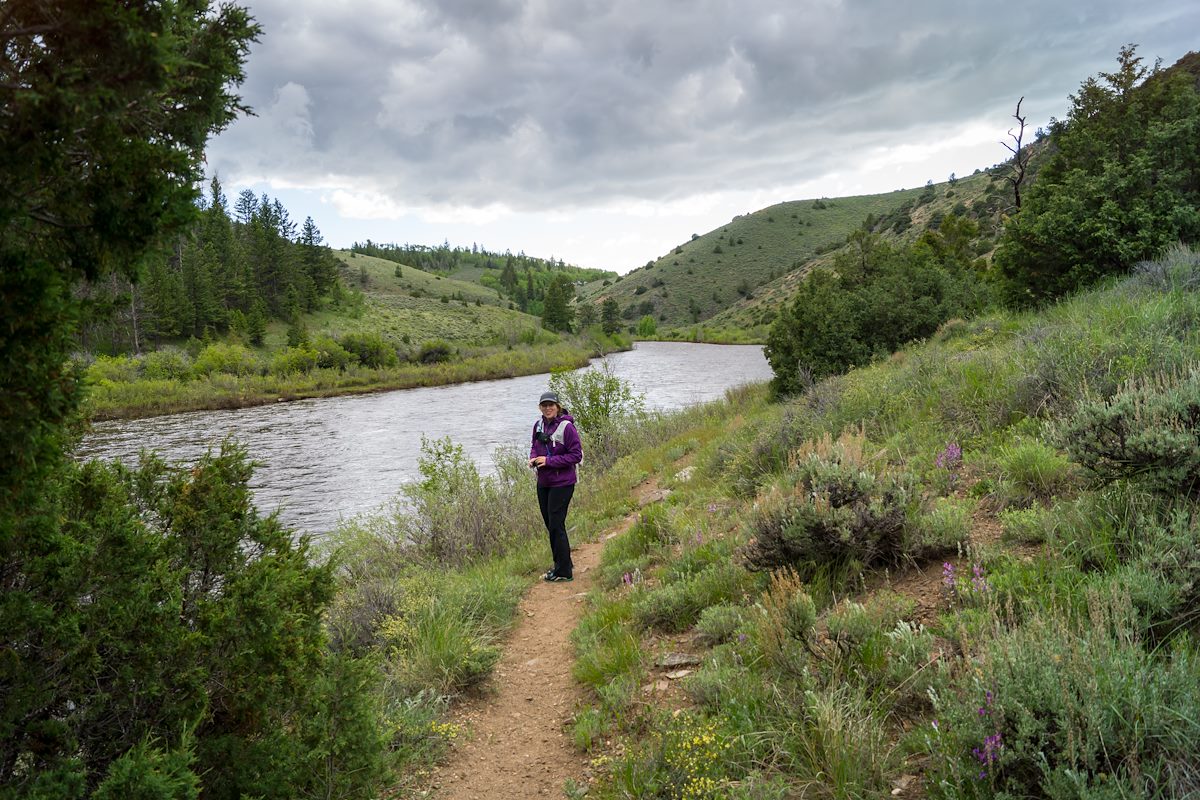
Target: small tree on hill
{"type": "Point", "coordinates": [585, 315]}
{"type": "Point", "coordinates": [557, 313]}
{"type": "Point", "coordinates": [610, 315]}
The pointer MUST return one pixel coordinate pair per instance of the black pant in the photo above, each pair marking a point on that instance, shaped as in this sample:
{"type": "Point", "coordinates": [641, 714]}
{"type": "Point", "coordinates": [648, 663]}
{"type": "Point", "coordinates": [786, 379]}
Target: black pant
{"type": "Point", "coordinates": [553, 501]}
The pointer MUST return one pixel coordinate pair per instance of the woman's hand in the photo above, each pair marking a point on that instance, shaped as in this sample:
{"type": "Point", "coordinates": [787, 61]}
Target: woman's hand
{"type": "Point", "coordinates": [537, 461]}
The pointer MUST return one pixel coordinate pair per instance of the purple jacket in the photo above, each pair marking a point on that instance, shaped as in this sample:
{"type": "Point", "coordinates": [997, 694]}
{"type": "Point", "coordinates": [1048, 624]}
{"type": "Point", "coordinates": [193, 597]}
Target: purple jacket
{"type": "Point", "coordinates": [561, 457]}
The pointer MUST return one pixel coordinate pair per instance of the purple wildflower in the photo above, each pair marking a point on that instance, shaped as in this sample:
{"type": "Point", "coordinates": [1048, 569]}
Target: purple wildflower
{"type": "Point", "coordinates": [949, 579]}
{"type": "Point", "coordinates": [627, 579]}
{"type": "Point", "coordinates": [950, 458]}
{"type": "Point", "coordinates": [990, 752]}
{"type": "Point", "coordinates": [979, 580]}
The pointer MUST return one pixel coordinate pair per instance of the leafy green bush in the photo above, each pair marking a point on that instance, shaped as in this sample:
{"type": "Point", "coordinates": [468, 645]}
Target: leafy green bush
{"type": "Point", "coordinates": [119, 369]}
{"type": "Point", "coordinates": [596, 397]}
{"type": "Point", "coordinates": [228, 359]}
{"type": "Point", "coordinates": [169, 363]}
{"type": "Point", "coordinates": [331, 355]}
{"type": "Point", "coordinates": [294, 360]}
{"type": "Point", "coordinates": [1149, 432]}
{"type": "Point", "coordinates": [371, 349]}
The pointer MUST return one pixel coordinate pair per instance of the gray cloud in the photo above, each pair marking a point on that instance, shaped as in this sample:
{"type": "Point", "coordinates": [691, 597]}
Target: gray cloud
{"type": "Point", "coordinates": [544, 104]}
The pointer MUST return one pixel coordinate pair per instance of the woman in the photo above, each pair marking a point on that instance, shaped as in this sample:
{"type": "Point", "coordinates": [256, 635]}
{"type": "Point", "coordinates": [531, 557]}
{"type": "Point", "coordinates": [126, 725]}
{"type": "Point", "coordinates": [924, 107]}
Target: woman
{"type": "Point", "coordinates": [555, 451]}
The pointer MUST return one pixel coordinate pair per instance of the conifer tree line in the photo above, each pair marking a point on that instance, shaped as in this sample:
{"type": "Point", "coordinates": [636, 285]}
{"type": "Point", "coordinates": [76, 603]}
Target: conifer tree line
{"type": "Point", "coordinates": [233, 271]}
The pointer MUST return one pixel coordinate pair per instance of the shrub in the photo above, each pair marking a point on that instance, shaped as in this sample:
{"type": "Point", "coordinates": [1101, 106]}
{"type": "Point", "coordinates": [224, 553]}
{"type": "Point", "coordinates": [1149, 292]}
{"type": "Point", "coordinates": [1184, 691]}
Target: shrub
{"type": "Point", "coordinates": [831, 511]}
{"type": "Point", "coordinates": [596, 397]}
{"type": "Point", "coordinates": [1061, 710]}
{"type": "Point", "coordinates": [331, 355]}
{"type": "Point", "coordinates": [292, 360]}
{"type": "Point", "coordinates": [118, 369]}
{"type": "Point", "coordinates": [1148, 432]}
{"type": "Point", "coordinates": [190, 599]}
{"type": "Point", "coordinates": [435, 351]}
{"type": "Point", "coordinates": [788, 616]}
{"type": "Point", "coordinates": [371, 349]}
{"type": "Point", "coordinates": [718, 624]}
{"type": "Point", "coordinates": [1027, 525]}
{"type": "Point", "coordinates": [169, 363]}
{"type": "Point", "coordinates": [946, 526]}
{"type": "Point", "coordinates": [676, 606]}
{"type": "Point", "coordinates": [228, 359]}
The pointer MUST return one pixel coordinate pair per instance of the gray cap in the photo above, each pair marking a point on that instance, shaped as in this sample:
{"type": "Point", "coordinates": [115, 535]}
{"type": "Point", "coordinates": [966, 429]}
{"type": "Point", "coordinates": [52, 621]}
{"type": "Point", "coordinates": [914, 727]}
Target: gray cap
{"type": "Point", "coordinates": [549, 397]}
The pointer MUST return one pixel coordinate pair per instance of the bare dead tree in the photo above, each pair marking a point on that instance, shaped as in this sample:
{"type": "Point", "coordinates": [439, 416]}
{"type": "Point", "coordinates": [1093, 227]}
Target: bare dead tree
{"type": "Point", "coordinates": [1020, 159]}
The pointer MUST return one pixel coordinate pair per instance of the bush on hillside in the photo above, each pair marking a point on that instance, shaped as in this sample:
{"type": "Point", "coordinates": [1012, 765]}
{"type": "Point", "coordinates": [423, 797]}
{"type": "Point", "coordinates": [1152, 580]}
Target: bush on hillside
{"type": "Point", "coordinates": [435, 351]}
{"type": "Point", "coordinates": [331, 355]}
{"type": "Point", "coordinates": [1149, 432]}
{"type": "Point", "coordinates": [294, 360]}
{"type": "Point", "coordinates": [832, 510]}
{"type": "Point", "coordinates": [874, 299]}
{"type": "Point", "coordinates": [371, 349]}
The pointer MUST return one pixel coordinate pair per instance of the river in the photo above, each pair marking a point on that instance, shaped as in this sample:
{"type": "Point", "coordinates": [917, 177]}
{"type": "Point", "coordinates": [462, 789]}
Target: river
{"type": "Point", "coordinates": [325, 459]}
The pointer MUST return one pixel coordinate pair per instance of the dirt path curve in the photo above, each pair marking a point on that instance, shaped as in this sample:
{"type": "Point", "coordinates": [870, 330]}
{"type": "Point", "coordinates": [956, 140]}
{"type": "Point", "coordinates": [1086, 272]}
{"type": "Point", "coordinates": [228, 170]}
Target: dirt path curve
{"type": "Point", "coordinates": [518, 745]}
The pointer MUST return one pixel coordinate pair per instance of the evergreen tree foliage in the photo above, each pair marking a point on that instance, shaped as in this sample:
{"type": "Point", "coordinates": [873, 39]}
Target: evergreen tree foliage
{"type": "Point", "coordinates": [875, 298]}
{"type": "Point", "coordinates": [585, 315]}
{"type": "Point", "coordinates": [1122, 184]}
{"type": "Point", "coordinates": [557, 312]}
{"type": "Point", "coordinates": [157, 637]}
{"type": "Point", "coordinates": [610, 315]}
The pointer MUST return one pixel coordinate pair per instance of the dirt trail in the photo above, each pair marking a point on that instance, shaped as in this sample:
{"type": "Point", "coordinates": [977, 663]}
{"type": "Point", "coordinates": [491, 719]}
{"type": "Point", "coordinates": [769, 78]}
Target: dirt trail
{"type": "Point", "coordinates": [518, 745]}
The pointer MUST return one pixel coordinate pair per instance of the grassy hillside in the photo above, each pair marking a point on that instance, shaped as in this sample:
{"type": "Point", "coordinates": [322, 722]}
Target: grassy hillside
{"type": "Point", "coordinates": [728, 283]}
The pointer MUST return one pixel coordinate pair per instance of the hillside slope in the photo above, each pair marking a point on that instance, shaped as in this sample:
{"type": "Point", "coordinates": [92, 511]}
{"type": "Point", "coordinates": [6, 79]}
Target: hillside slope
{"type": "Point", "coordinates": [415, 306]}
{"type": "Point", "coordinates": [733, 277]}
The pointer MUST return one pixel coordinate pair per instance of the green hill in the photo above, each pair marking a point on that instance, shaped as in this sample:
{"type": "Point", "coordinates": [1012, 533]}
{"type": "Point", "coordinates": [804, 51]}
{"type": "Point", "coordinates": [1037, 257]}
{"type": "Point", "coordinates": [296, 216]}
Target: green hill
{"type": "Point", "coordinates": [734, 277]}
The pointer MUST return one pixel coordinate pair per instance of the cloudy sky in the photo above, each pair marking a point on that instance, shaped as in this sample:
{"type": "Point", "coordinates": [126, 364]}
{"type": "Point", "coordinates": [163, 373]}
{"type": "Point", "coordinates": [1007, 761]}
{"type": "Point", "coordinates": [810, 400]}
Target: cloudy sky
{"type": "Point", "coordinates": [605, 132]}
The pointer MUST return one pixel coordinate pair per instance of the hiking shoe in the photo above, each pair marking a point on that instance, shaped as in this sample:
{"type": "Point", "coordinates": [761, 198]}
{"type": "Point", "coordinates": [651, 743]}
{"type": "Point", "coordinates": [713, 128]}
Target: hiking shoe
{"type": "Point", "coordinates": [554, 577]}
{"type": "Point", "coordinates": [549, 576]}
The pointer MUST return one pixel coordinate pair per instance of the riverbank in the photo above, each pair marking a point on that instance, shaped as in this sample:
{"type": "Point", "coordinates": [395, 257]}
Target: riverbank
{"type": "Point", "coordinates": [137, 398]}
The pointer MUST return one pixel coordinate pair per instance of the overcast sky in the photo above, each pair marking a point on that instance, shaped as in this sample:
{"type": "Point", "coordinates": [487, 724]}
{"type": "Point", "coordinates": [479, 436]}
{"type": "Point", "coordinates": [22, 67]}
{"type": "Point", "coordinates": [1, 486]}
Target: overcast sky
{"type": "Point", "coordinates": [605, 132]}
